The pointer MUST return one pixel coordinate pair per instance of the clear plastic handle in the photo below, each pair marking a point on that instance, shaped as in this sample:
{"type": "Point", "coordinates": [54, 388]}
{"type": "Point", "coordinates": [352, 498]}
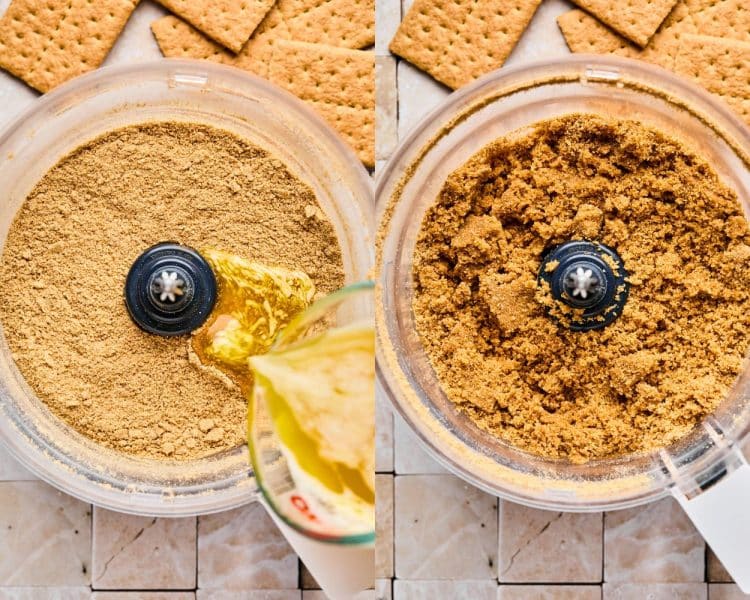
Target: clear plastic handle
{"type": "Point", "coordinates": [343, 571]}
{"type": "Point", "coordinates": [721, 513]}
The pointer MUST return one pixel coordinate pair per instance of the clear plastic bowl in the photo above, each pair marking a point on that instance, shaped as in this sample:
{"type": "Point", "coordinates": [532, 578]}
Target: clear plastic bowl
{"type": "Point", "coordinates": [165, 90]}
{"type": "Point", "coordinates": [495, 105]}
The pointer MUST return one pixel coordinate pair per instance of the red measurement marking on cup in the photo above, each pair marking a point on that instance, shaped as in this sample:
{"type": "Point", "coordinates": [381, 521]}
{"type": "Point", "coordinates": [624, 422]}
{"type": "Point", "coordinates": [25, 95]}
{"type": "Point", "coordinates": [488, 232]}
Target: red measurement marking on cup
{"type": "Point", "coordinates": [300, 504]}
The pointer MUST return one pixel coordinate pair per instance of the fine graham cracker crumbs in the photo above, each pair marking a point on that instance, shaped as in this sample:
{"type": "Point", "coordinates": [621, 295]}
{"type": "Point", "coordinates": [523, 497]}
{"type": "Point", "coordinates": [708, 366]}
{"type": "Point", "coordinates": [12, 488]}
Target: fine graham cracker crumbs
{"type": "Point", "coordinates": [337, 82]}
{"type": "Point", "coordinates": [73, 241]}
{"type": "Point", "coordinates": [722, 66]}
{"type": "Point", "coordinates": [229, 22]}
{"type": "Point", "coordinates": [637, 20]}
{"type": "Point", "coordinates": [47, 42]}
{"type": "Point", "coordinates": [457, 41]}
{"type": "Point", "coordinates": [641, 382]}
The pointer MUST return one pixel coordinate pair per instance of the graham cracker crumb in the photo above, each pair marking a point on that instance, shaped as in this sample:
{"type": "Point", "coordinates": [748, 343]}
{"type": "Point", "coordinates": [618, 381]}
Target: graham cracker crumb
{"type": "Point", "coordinates": [79, 231]}
{"type": "Point", "coordinates": [643, 381]}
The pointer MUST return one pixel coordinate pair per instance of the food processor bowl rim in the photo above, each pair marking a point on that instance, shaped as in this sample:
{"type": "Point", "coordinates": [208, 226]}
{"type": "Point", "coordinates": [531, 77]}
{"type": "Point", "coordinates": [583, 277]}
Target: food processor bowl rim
{"type": "Point", "coordinates": [231, 491]}
{"type": "Point", "coordinates": [92, 79]}
{"type": "Point", "coordinates": [417, 145]}
{"type": "Point", "coordinates": [542, 66]}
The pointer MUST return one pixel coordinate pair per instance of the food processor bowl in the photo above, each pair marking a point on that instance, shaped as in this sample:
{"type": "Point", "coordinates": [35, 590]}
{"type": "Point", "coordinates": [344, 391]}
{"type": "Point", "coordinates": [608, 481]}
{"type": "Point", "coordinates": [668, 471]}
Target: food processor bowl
{"type": "Point", "coordinates": [500, 103]}
{"type": "Point", "coordinates": [179, 90]}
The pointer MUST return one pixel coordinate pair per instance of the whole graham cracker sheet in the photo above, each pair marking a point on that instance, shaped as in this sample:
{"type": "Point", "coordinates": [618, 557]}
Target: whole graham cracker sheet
{"type": "Point", "coordinates": [457, 41]}
{"type": "Point", "coordinates": [45, 43]}
{"type": "Point", "coordinates": [228, 22]}
{"type": "Point", "coordinates": [637, 20]}
{"type": "Point", "coordinates": [726, 19]}
{"type": "Point", "coordinates": [338, 83]}
{"type": "Point", "coordinates": [722, 66]}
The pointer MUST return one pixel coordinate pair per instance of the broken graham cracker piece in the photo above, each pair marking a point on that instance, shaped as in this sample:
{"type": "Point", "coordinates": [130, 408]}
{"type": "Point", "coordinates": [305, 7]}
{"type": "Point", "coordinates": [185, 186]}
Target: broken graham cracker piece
{"type": "Point", "coordinates": [584, 33]}
{"type": "Point", "coordinates": [722, 66]}
{"type": "Point", "coordinates": [315, 21]}
{"type": "Point", "coordinates": [46, 43]}
{"type": "Point", "coordinates": [229, 22]}
{"type": "Point", "coordinates": [338, 83]}
{"type": "Point", "coordinates": [178, 39]}
{"type": "Point", "coordinates": [457, 41]}
{"type": "Point", "coordinates": [637, 20]}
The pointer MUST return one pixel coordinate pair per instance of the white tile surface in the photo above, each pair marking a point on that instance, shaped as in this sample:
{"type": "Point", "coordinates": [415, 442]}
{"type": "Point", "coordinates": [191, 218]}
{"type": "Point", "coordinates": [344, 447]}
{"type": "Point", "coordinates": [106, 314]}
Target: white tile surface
{"type": "Point", "coordinates": [655, 591]}
{"type": "Point", "coordinates": [548, 546]}
{"type": "Point", "coordinates": [444, 590]}
{"type": "Point", "coordinates": [542, 38]}
{"type": "Point", "coordinates": [410, 457]}
{"type": "Point", "coordinates": [242, 549]}
{"type": "Point", "coordinates": [725, 591]}
{"type": "Point", "coordinates": [136, 43]}
{"type": "Point", "coordinates": [383, 589]}
{"type": "Point", "coordinates": [143, 596]}
{"type": "Point", "coordinates": [45, 536]}
{"type": "Point", "coordinates": [445, 529]}
{"type": "Point", "coordinates": [549, 592]}
{"type": "Point", "coordinates": [418, 93]}
{"type": "Point", "coordinates": [387, 19]}
{"type": "Point", "coordinates": [384, 430]}
{"type": "Point", "coordinates": [652, 543]}
{"type": "Point", "coordinates": [249, 595]}
{"type": "Point", "coordinates": [384, 526]}
{"type": "Point", "coordinates": [386, 107]}
{"type": "Point", "coordinates": [49, 593]}
{"type": "Point", "coordinates": [142, 553]}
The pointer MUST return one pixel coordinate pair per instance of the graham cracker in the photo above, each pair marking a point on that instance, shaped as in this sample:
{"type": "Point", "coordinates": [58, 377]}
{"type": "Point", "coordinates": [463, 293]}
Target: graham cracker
{"type": "Point", "coordinates": [178, 39]}
{"type": "Point", "coordinates": [338, 83]}
{"type": "Point", "coordinates": [584, 33]}
{"type": "Point", "coordinates": [722, 66]}
{"type": "Point", "coordinates": [305, 18]}
{"type": "Point", "coordinates": [45, 43]}
{"type": "Point", "coordinates": [229, 22]}
{"type": "Point", "coordinates": [345, 23]}
{"type": "Point", "coordinates": [637, 20]}
{"type": "Point", "coordinates": [457, 41]}
{"type": "Point", "coordinates": [726, 19]}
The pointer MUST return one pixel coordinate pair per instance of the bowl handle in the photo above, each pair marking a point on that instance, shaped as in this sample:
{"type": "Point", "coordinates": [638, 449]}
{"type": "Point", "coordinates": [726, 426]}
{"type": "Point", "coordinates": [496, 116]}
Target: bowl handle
{"type": "Point", "coordinates": [721, 513]}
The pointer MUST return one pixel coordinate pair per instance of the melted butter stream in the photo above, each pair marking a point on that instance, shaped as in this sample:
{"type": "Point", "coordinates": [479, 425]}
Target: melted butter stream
{"type": "Point", "coordinates": [308, 388]}
{"type": "Point", "coordinates": [254, 303]}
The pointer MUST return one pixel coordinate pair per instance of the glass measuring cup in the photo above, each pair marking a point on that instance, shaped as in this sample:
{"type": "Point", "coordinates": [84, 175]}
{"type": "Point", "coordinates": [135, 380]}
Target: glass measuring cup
{"type": "Point", "coordinates": [293, 495]}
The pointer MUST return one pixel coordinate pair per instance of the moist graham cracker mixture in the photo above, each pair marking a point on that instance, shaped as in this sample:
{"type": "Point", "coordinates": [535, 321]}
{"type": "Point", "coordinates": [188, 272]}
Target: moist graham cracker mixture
{"type": "Point", "coordinates": [643, 381]}
{"type": "Point", "coordinates": [70, 248]}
